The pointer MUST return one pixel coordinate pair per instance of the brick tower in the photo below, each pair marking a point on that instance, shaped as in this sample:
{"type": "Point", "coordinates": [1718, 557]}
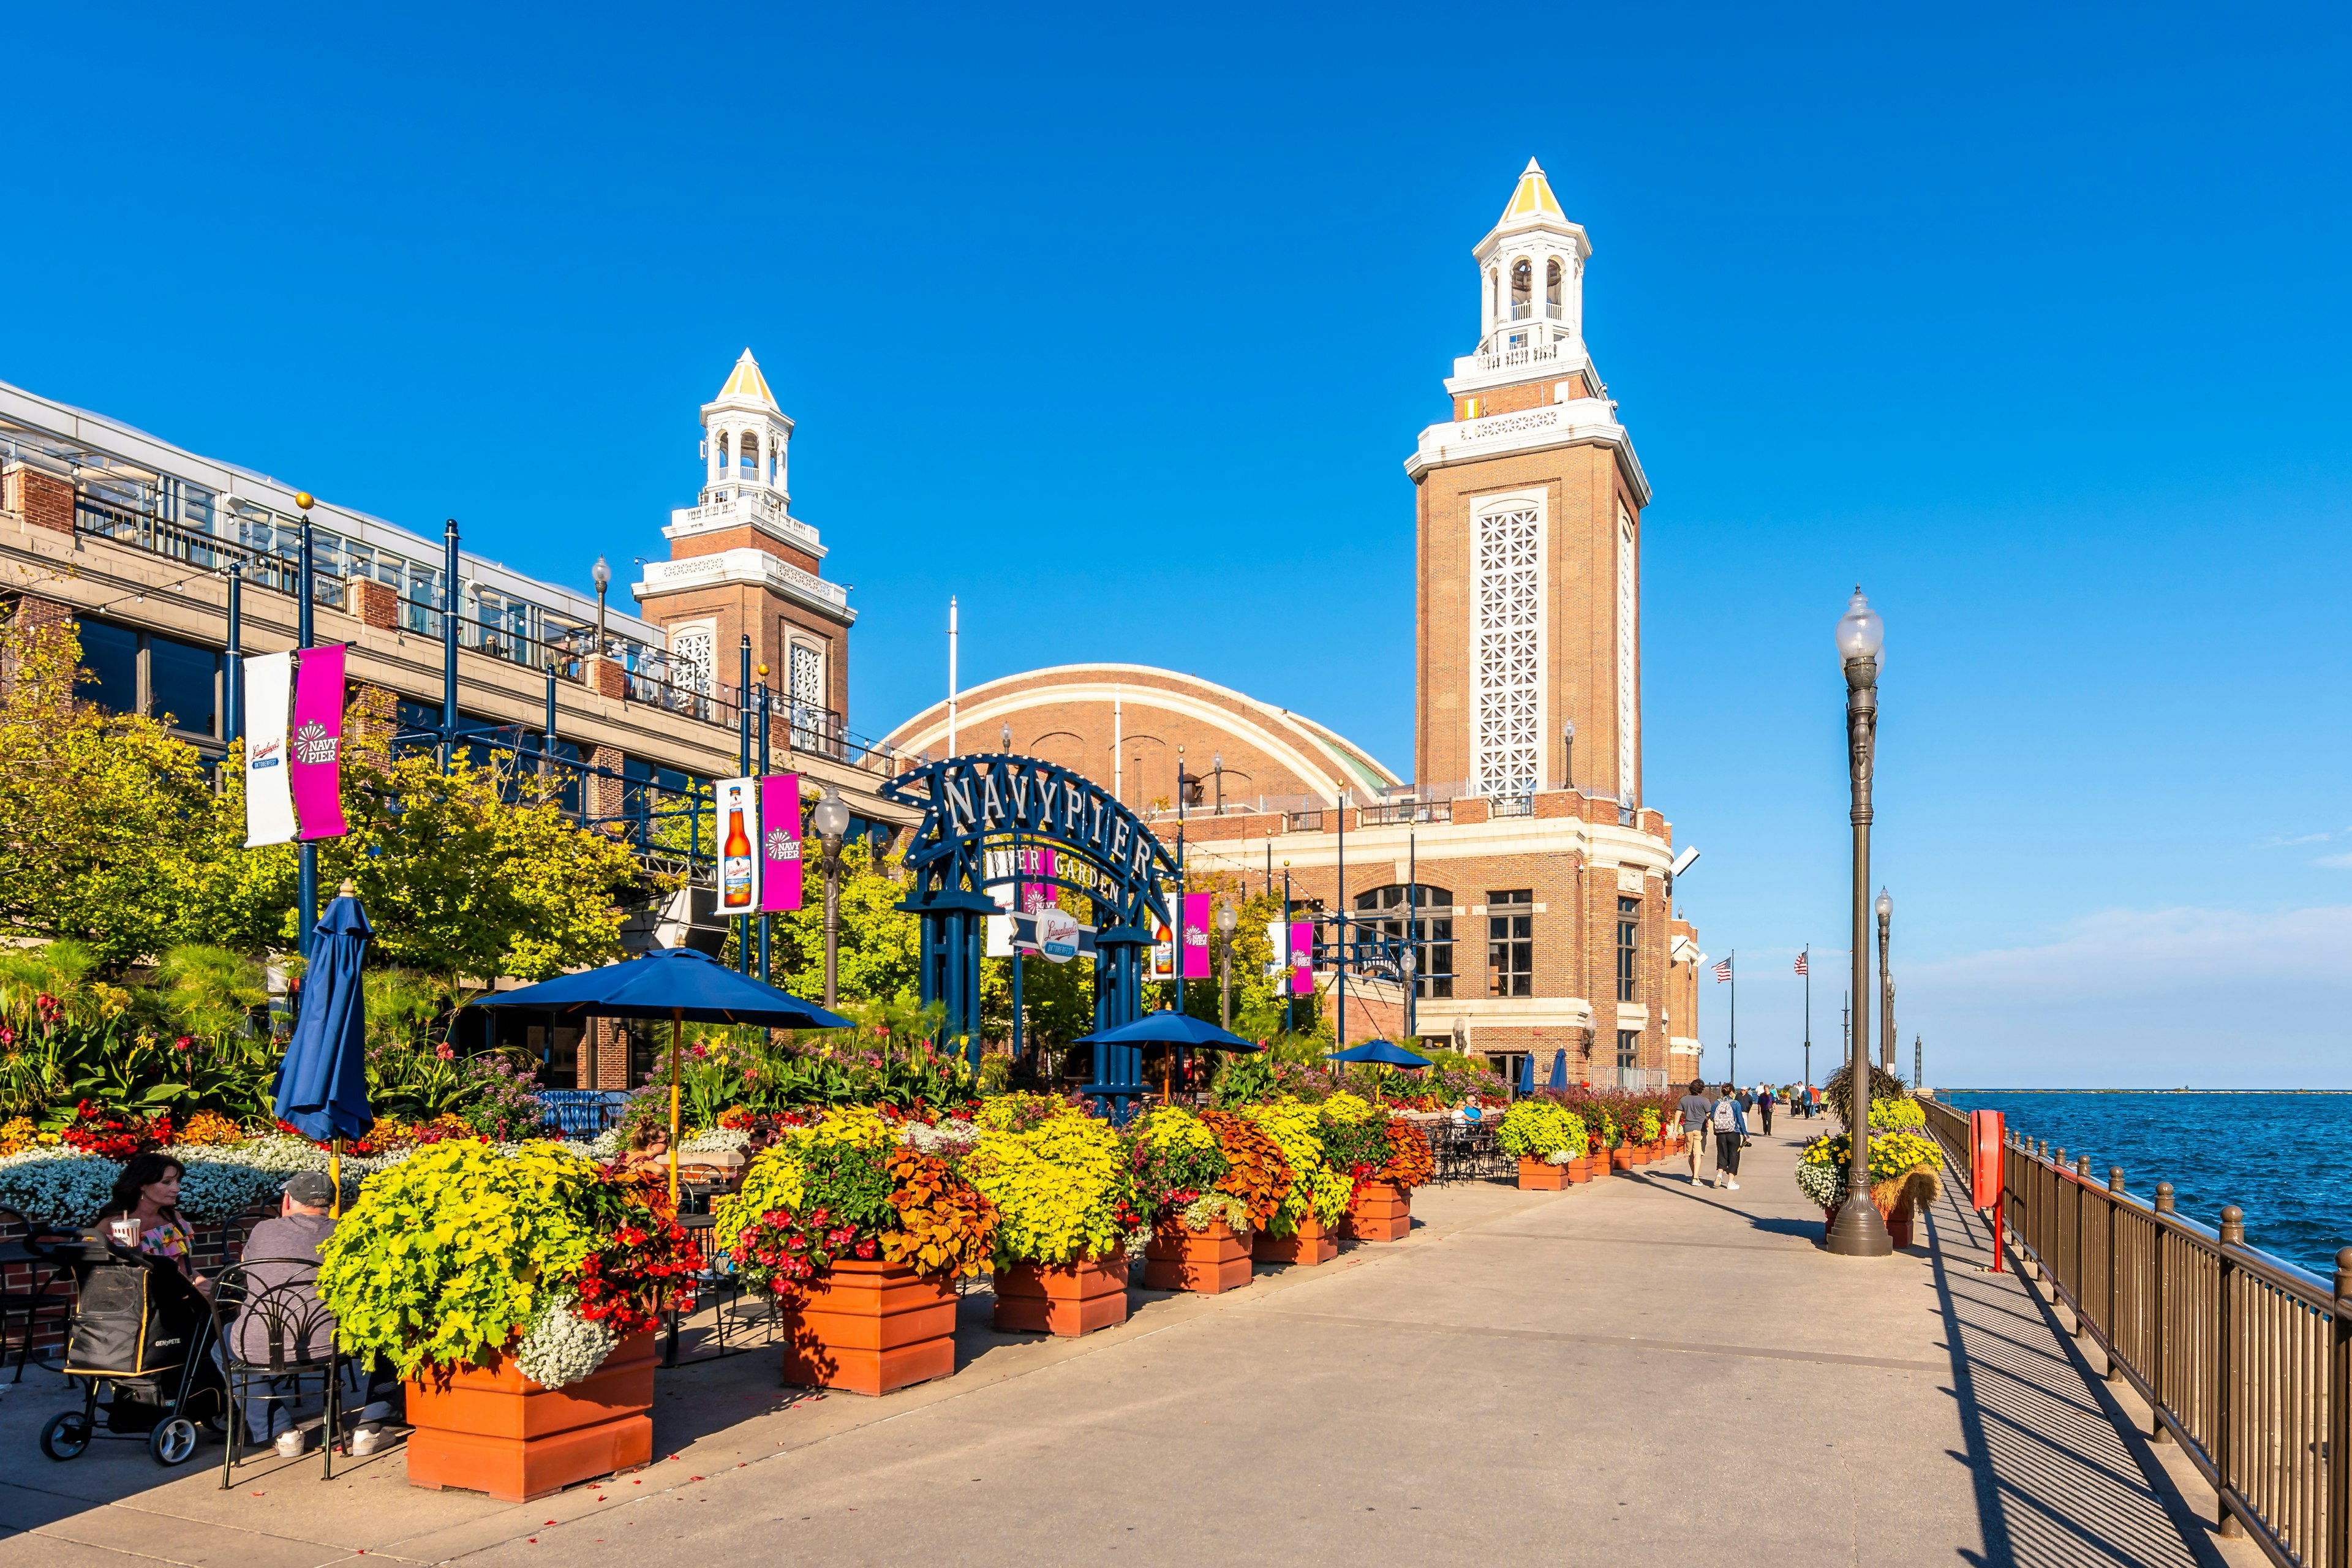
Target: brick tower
{"type": "Point", "coordinates": [1530, 541]}
{"type": "Point", "coordinates": [741, 563]}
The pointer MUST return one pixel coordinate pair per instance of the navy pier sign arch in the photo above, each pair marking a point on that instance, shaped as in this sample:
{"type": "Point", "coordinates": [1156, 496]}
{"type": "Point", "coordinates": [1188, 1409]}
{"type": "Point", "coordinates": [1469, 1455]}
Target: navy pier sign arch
{"type": "Point", "coordinates": [974, 803]}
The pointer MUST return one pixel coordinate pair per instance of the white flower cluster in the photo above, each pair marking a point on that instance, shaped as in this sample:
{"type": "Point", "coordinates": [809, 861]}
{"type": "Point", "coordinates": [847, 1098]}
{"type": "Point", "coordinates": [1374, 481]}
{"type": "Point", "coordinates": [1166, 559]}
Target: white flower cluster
{"type": "Point", "coordinates": [562, 1346]}
{"type": "Point", "coordinates": [1209, 1207]}
{"type": "Point", "coordinates": [947, 1139]}
{"type": "Point", "coordinates": [716, 1141]}
{"type": "Point", "coordinates": [1560, 1157]}
{"type": "Point", "coordinates": [44, 1186]}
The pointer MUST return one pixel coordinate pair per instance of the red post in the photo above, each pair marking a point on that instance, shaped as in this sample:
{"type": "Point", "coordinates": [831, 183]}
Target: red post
{"type": "Point", "coordinates": [1986, 1138]}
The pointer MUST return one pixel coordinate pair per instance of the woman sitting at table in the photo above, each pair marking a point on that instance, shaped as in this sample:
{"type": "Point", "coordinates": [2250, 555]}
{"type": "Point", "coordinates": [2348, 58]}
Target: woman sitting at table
{"type": "Point", "coordinates": [148, 1191]}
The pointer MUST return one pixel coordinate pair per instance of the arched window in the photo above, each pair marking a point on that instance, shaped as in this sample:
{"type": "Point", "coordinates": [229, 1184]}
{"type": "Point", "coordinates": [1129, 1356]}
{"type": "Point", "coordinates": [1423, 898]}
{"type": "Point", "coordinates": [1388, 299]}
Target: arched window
{"type": "Point", "coordinates": [1433, 959]}
{"type": "Point", "coordinates": [1551, 287]}
{"type": "Point", "coordinates": [1494, 295]}
{"type": "Point", "coordinates": [747, 457]}
{"type": "Point", "coordinates": [1523, 289]}
{"type": "Point", "coordinates": [722, 454]}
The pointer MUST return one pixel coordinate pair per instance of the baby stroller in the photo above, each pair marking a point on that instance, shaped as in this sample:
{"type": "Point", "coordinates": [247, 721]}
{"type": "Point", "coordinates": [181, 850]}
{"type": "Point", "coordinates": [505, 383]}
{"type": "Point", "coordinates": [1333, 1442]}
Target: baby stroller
{"type": "Point", "coordinates": [141, 1334]}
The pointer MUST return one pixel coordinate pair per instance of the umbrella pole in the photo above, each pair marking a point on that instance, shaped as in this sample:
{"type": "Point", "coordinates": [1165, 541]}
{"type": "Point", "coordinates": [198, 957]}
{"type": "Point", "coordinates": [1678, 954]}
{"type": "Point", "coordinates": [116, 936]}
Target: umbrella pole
{"type": "Point", "coordinates": [335, 1176]}
{"type": "Point", "coordinates": [676, 1044]}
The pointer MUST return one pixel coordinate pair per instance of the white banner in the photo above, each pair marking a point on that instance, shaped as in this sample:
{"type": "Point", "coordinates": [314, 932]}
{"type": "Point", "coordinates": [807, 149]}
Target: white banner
{"type": "Point", "coordinates": [738, 835]}
{"type": "Point", "coordinates": [268, 786]}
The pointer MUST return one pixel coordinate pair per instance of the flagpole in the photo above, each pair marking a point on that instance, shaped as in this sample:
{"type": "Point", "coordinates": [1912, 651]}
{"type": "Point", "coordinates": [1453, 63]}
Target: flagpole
{"type": "Point", "coordinates": [1809, 1015]}
{"type": "Point", "coordinates": [1735, 1017]}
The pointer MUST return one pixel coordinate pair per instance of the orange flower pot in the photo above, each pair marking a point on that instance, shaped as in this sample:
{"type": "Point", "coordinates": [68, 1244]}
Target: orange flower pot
{"type": "Point", "coordinates": [1311, 1246]}
{"type": "Point", "coordinates": [1541, 1177]}
{"type": "Point", "coordinates": [491, 1429]}
{"type": "Point", "coordinates": [1068, 1299]}
{"type": "Point", "coordinates": [1382, 1211]}
{"type": "Point", "coordinates": [1621, 1158]}
{"type": "Point", "coordinates": [1203, 1262]}
{"type": "Point", "coordinates": [868, 1327]}
{"type": "Point", "coordinates": [1580, 1170]}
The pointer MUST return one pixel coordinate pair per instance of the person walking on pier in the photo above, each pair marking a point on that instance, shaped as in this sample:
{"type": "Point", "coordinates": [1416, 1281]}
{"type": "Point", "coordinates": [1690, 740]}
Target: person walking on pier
{"type": "Point", "coordinates": [1695, 1108]}
{"type": "Point", "coordinates": [1730, 1125]}
{"type": "Point", "coordinates": [1764, 1104]}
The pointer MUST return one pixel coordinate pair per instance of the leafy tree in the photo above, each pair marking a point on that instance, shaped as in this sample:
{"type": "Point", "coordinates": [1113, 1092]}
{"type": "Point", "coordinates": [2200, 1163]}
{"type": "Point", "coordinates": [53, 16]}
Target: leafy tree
{"type": "Point", "coordinates": [879, 948]}
{"type": "Point", "coordinates": [99, 813]}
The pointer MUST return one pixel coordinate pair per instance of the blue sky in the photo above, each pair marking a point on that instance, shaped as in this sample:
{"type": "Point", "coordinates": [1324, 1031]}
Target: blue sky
{"type": "Point", "coordinates": [1120, 329]}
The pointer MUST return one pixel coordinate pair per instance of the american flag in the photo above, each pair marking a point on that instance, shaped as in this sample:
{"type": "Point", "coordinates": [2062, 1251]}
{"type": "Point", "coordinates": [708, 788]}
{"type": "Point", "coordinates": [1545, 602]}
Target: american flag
{"type": "Point", "coordinates": [1801, 962]}
{"type": "Point", "coordinates": [1723, 972]}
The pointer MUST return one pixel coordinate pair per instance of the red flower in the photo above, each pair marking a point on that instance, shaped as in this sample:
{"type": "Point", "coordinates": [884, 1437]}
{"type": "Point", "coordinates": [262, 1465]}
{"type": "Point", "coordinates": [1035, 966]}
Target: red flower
{"type": "Point", "coordinates": [183, 1043]}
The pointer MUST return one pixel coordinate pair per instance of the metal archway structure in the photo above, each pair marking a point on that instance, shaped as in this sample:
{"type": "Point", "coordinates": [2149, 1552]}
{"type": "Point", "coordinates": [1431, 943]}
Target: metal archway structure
{"type": "Point", "coordinates": [974, 803]}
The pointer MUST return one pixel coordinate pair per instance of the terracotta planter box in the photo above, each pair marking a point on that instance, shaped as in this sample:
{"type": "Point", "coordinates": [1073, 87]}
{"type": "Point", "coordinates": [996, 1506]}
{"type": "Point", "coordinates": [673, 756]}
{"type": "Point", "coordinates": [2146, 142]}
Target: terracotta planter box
{"type": "Point", "coordinates": [1311, 1246]}
{"type": "Point", "coordinates": [491, 1429]}
{"type": "Point", "coordinates": [1382, 1212]}
{"type": "Point", "coordinates": [1621, 1158]}
{"type": "Point", "coordinates": [868, 1327]}
{"type": "Point", "coordinates": [1541, 1177]}
{"type": "Point", "coordinates": [1069, 1298]}
{"type": "Point", "coordinates": [1579, 1169]}
{"type": "Point", "coordinates": [1204, 1263]}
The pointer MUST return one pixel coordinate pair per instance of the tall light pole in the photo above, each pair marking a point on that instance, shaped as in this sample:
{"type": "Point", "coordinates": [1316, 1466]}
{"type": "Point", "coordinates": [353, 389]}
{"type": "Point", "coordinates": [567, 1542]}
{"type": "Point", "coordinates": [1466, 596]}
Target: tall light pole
{"type": "Point", "coordinates": [1217, 766]}
{"type": "Point", "coordinates": [1859, 1231]}
{"type": "Point", "coordinates": [307, 872]}
{"type": "Point", "coordinates": [1567, 753]}
{"type": "Point", "coordinates": [1885, 985]}
{"type": "Point", "coordinates": [601, 575]}
{"type": "Point", "coordinates": [1227, 919]}
{"type": "Point", "coordinates": [831, 820]}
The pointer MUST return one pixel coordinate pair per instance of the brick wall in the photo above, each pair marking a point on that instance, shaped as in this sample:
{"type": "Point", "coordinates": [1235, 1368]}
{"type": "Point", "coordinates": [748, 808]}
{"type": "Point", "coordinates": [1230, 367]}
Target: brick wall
{"type": "Point", "coordinates": [42, 499]}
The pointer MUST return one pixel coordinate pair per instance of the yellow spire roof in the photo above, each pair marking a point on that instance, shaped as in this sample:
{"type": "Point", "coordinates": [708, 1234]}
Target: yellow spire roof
{"type": "Point", "coordinates": [745, 381]}
{"type": "Point", "coordinates": [1532, 197]}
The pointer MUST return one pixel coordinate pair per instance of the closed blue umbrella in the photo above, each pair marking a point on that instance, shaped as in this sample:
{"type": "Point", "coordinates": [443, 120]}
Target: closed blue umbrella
{"type": "Point", "coordinates": [677, 984]}
{"type": "Point", "coordinates": [1560, 1068]}
{"type": "Point", "coordinates": [323, 1081]}
{"type": "Point", "coordinates": [1527, 1075]}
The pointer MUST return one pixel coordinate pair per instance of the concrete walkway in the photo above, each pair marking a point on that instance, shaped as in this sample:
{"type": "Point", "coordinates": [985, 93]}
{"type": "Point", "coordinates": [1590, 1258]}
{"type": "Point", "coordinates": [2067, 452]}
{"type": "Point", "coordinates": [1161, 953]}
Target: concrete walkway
{"type": "Point", "coordinates": [1630, 1373]}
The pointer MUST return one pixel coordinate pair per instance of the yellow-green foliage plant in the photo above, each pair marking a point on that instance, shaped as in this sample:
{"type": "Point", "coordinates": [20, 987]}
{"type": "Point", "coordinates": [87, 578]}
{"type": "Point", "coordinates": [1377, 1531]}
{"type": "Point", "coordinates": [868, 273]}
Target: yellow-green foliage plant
{"type": "Point", "coordinates": [449, 1254]}
{"type": "Point", "coordinates": [1315, 1187]}
{"type": "Point", "coordinates": [772, 1180]}
{"type": "Point", "coordinates": [1064, 1188]}
{"type": "Point", "coordinates": [1542, 1129]}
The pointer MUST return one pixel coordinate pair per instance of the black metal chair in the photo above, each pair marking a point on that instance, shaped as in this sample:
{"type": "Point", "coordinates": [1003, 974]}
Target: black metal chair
{"type": "Point", "coordinates": [270, 1328]}
{"type": "Point", "coordinates": [40, 1299]}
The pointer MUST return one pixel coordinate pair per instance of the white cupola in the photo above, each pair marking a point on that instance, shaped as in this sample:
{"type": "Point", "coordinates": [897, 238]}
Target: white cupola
{"type": "Point", "coordinates": [745, 438]}
{"type": "Point", "coordinates": [1531, 271]}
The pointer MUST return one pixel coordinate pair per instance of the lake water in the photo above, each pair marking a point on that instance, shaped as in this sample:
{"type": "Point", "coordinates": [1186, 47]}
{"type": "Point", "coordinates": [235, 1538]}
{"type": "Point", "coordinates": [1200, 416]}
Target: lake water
{"type": "Point", "coordinates": [2280, 1157]}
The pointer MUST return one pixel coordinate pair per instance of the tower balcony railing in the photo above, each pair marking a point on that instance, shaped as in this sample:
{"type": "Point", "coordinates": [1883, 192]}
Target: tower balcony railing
{"type": "Point", "coordinates": [734, 496]}
{"type": "Point", "coordinates": [1560, 353]}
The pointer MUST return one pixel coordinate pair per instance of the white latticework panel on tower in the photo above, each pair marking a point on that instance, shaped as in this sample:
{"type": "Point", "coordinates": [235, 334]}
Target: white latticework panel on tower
{"type": "Point", "coordinates": [690, 661]}
{"type": "Point", "coordinates": [1506, 652]}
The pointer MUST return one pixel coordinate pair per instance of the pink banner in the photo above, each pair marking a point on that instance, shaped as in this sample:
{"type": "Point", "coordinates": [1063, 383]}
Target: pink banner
{"type": "Point", "coordinates": [1302, 958]}
{"type": "Point", "coordinates": [1196, 936]}
{"type": "Point", "coordinates": [780, 842]}
{"type": "Point", "coordinates": [317, 742]}
{"type": "Point", "coordinates": [1036, 860]}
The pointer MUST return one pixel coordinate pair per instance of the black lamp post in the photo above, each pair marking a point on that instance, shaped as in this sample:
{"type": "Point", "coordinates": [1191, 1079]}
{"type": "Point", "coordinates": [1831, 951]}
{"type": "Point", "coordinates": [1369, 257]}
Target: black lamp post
{"type": "Point", "coordinates": [1217, 766]}
{"type": "Point", "coordinates": [307, 873]}
{"type": "Point", "coordinates": [601, 575]}
{"type": "Point", "coordinates": [1227, 919]}
{"type": "Point", "coordinates": [1859, 1231]}
{"type": "Point", "coordinates": [1567, 753]}
{"type": "Point", "coordinates": [1885, 985]}
{"type": "Point", "coordinates": [831, 820]}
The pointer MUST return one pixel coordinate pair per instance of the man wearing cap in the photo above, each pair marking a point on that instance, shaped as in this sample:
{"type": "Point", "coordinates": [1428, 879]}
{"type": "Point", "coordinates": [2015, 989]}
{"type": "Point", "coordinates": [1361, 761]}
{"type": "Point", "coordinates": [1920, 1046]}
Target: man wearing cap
{"type": "Point", "coordinates": [283, 1258]}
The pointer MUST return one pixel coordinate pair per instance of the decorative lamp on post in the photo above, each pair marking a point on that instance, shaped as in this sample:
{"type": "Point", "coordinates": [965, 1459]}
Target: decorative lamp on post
{"type": "Point", "coordinates": [1567, 753]}
{"type": "Point", "coordinates": [1227, 919]}
{"type": "Point", "coordinates": [1859, 1231]}
{"type": "Point", "coordinates": [1004, 737]}
{"type": "Point", "coordinates": [831, 820]}
{"type": "Point", "coordinates": [601, 575]}
{"type": "Point", "coordinates": [1409, 965]}
{"type": "Point", "coordinates": [1217, 766]}
{"type": "Point", "coordinates": [1885, 985]}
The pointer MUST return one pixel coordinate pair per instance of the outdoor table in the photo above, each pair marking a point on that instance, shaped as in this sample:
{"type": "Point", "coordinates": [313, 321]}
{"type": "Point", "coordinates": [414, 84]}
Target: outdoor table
{"type": "Point", "coordinates": [35, 1302]}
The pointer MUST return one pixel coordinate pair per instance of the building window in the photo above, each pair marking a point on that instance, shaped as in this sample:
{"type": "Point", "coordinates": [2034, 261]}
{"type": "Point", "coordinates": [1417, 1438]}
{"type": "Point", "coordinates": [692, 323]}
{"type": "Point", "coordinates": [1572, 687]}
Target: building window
{"type": "Point", "coordinates": [1433, 960]}
{"type": "Point", "coordinates": [1523, 290]}
{"type": "Point", "coordinates": [1629, 659]}
{"type": "Point", "coordinates": [808, 677]}
{"type": "Point", "coordinates": [1629, 1049]}
{"type": "Point", "coordinates": [1506, 652]}
{"type": "Point", "coordinates": [690, 658]}
{"type": "Point", "coordinates": [152, 676]}
{"type": "Point", "coordinates": [1628, 949]}
{"type": "Point", "coordinates": [1551, 287]}
{"type": "Point", "coordinates": [1510, 944]}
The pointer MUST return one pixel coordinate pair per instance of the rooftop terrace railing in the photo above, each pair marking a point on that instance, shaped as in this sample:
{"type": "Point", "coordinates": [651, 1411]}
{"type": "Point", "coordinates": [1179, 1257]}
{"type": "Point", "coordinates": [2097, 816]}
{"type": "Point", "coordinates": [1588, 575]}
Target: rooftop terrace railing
{"type": "Point", "coordinates": [2245, 1359]}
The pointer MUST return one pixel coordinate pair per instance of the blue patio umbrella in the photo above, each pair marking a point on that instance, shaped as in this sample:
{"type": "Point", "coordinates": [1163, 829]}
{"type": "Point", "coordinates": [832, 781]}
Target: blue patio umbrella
{"type": "Point", "coordinates": [1527, 1075]}
{"type": "Point", "coordinates": [677, 984]}
{"type": "Point", "coordinates": [323, 1081]}
{"type": "Point", "coordinates": [1380, 1051]}
{"type": "Point", "coordinates": [1560, 1068]}
{"type": "Point", "coordinates": [1169, 1027]}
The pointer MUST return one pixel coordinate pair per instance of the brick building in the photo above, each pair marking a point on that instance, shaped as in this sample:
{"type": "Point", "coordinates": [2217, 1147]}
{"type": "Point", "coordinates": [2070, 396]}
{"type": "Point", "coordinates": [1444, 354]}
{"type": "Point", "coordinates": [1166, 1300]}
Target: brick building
{"type": "Point", "coordinates": [1522, 858]}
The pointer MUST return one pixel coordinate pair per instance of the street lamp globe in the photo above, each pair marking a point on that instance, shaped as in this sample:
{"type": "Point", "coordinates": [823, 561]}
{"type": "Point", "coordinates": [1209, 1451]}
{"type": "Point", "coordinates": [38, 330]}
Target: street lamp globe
{"type": "Point", "coordinates": [601, 574]}
{"type": "Point", "coordinates": [1567, 729]}
{"type": "Point", "coordinates": [831, 817]}
{"type": "Point", "coordinates": [1227, 919]}
{"type": "Point", "coordinates": [1859, 632]}
{"type": "Point", "coordinates": [1885, 905]}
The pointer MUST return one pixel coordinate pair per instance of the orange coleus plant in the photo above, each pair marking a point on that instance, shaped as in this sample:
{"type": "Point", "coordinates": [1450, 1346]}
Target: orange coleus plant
{"type": "Point", "coordinates": [1410, 1165]}
{"type": "Point", "coordinates": [1257, 1172]}
{"type": "Point", "coordinates": [945, 1225]}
